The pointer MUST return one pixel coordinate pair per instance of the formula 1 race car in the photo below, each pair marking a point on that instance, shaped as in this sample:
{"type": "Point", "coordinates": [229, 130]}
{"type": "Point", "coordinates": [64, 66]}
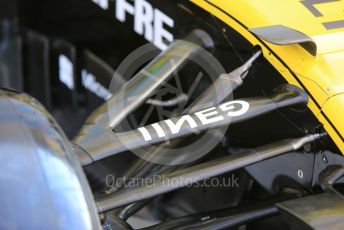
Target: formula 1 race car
{"type": "Point", "coordinates": [146, 114]}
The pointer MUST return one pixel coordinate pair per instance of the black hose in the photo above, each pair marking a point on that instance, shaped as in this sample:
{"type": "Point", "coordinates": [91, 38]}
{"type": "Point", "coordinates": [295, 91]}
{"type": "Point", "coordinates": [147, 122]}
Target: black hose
{"type": "Point", "coordinates": [240, 219]}
{"type": "Point", "coordinates": [217, 219]}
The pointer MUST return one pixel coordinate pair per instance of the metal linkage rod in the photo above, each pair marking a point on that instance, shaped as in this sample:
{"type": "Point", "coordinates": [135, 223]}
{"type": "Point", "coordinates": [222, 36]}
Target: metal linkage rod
{"type": "Point", "coordinates": [193, 174]}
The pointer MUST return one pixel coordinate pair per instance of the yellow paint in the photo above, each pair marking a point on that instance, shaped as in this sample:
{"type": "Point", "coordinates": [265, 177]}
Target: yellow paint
{"type": "Point", "coordinates": [334, 110]}
{"type": "Point", "coordinates": [323, 75]}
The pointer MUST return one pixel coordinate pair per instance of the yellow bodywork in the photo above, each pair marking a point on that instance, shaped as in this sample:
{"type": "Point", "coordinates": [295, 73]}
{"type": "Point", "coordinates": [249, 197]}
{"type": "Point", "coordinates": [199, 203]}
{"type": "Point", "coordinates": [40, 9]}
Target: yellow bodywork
{"type": "Point", "coordinates": [322, 76]}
